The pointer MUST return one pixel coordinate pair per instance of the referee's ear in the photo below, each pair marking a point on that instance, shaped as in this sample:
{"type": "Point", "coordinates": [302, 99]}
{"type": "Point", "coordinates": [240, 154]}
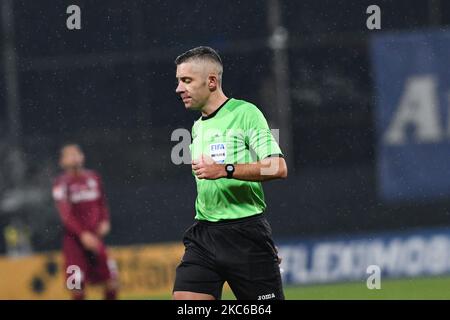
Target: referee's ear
{"type": "Point", "coordinates": [213, 82]}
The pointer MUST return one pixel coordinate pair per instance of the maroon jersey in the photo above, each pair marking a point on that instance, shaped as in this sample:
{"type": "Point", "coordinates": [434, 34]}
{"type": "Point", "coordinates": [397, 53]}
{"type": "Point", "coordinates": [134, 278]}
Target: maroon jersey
{"type": "Point", "coordinates": [81, 202]}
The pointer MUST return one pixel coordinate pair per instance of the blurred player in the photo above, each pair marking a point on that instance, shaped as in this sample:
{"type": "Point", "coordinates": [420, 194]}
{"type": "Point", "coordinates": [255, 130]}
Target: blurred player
{"type": "Point", "coordinates": [231, 239]}
{"type": "Point", "coordinates": [80, 200]}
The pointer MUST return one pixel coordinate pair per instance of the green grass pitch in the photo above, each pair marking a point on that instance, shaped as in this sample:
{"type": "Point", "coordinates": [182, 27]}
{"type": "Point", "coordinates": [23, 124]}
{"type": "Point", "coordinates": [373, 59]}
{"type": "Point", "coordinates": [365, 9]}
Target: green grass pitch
{"type": "Point", "coordinates": [402, 289]}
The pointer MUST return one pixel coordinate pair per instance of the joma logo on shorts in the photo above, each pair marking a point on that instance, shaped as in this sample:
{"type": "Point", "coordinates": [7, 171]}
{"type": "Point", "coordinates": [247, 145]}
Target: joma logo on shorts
{"type": "Point", "coordinates": [267, 296]}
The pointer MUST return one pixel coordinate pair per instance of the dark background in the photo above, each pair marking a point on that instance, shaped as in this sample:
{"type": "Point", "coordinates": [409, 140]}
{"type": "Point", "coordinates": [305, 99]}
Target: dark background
{"type": "Point", "coordinates": [110, 86]}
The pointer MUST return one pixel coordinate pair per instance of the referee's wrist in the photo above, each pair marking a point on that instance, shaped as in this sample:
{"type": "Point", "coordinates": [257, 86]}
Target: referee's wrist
{"type": "Point", "coordinates": [223, 171]}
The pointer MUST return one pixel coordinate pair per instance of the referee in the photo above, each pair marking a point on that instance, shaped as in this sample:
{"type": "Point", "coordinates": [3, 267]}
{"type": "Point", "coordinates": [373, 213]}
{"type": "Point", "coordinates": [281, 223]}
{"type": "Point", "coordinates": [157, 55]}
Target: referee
{"type": "Point", "coordinates": [233, 151]}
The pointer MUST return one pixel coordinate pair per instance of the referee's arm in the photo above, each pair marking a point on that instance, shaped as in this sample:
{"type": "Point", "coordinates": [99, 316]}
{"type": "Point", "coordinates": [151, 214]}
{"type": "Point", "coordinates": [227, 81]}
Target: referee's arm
{"type": "Point", "coordinates": [272, 167]}
{"type": "Point", "coordinates": [267, 169]}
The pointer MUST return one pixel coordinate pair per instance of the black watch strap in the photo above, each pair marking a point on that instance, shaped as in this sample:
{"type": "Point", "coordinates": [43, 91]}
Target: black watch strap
{"type": "Point", "coordinates": [229, 168]}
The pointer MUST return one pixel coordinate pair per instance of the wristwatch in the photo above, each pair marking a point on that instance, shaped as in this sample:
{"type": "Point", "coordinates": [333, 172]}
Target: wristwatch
{"type": "Point", "coordinates": [229, 168]}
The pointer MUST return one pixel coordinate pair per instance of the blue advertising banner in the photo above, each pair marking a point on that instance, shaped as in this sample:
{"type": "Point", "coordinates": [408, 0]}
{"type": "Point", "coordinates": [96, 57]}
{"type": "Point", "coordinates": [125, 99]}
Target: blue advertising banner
{"type": "Point", "coordinates": [412, 85]}
{"type": "Point", "coordinates": [395, 255]}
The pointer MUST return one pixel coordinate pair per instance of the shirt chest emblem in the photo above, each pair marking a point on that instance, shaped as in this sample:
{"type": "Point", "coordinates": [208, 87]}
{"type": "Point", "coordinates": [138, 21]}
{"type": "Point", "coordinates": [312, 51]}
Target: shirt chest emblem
{"type": "Point", "coordinates": [218, 152]}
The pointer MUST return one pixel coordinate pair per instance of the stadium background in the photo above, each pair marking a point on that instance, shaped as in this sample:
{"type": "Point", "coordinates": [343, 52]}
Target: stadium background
{"type": "Point", "coordinates": [110, 87]}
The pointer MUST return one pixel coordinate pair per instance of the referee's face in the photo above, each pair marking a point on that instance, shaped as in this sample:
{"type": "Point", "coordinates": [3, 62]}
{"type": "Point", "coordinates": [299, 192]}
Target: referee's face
{"type": "Point", "coordinates": [192, 85]}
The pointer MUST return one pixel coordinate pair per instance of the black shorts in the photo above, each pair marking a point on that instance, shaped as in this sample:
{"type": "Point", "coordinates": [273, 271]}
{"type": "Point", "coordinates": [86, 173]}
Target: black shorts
{"type": "Point", "coordinates": [240, 252]}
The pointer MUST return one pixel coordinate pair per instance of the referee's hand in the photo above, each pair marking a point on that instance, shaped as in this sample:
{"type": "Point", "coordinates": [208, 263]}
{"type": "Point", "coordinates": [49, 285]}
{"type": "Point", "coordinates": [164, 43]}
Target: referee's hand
{"type": "Point", "coordinates": [206, 168]}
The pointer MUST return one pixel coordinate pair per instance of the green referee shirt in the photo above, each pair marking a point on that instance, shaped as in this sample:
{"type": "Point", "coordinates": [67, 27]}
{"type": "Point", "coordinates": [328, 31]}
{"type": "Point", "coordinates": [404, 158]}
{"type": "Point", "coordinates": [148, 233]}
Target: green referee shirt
{"type": "Point", "coordinates": [236, 132]}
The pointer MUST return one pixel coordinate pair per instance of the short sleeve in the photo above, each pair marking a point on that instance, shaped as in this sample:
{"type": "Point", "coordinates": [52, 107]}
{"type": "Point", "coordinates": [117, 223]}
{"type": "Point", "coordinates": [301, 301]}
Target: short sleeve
{"type": "Point", "coordinates": [258, 134]}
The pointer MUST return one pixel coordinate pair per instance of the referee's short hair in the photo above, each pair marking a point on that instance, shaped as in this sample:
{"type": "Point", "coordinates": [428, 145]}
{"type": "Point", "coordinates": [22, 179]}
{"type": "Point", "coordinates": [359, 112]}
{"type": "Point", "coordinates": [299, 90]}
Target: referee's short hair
{"type": "Point", "coordinates": [201, 52]}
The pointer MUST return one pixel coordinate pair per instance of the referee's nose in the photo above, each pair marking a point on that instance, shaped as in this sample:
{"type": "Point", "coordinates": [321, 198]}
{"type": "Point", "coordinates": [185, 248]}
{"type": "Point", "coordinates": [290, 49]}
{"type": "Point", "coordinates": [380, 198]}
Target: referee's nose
{"type": "Point", "coordinates": [180, 88]}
